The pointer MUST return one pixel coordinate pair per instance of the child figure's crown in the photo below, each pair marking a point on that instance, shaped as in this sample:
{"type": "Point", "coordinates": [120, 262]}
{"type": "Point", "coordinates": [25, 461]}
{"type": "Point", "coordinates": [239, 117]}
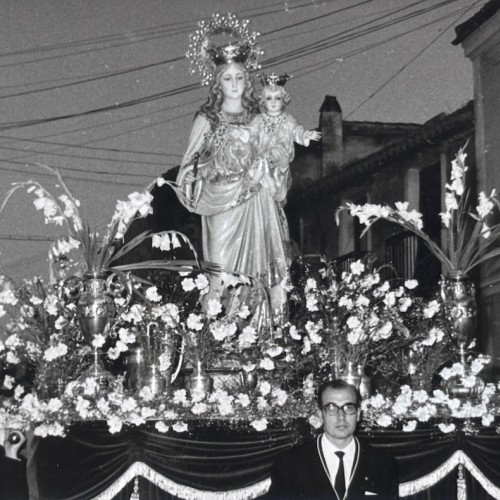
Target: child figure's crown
{"type": "Point", "coordinates": [273, 80]}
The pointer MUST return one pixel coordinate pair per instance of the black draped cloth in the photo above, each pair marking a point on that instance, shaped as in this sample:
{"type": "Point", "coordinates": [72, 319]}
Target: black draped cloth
{"type": "Point", "coordinates": [223, 457]}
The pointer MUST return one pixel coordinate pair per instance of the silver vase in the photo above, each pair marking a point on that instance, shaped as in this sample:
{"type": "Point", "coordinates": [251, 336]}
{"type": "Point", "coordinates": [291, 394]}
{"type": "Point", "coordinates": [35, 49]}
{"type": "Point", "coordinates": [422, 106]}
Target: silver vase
{"type": "Point", "coordinates": [199, 381]}
{"type": "Point", "coordinates": [458, 294]}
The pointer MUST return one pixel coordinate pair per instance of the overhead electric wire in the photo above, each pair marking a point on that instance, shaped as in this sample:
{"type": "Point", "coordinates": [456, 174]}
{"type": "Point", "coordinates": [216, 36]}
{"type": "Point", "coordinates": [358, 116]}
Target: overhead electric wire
{"type": "Point", "coordinates": [186, 88]}
{"type": "Point", "coordinates": [317, 66]}
{"type": "Point", "coordinates": [147, 177]}
{"type": "Point", "coordinates": [416, 56]}
{"type": "Point", "coordinates": [348, 34]}
{"type": "Point", "coordinates": [82, 157]}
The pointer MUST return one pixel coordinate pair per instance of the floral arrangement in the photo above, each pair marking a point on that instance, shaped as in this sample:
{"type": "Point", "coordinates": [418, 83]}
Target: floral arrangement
{"type": "Point", "coordinates": [411, 408]}
{"type": "Point", "coordinates": [41, 333]}
{"type": "Point", "coordinates": [351, 317]}
{"type": "Point", "coordinates": [98, 253]}
{"type": "Point", "coordinates": [469, 239]}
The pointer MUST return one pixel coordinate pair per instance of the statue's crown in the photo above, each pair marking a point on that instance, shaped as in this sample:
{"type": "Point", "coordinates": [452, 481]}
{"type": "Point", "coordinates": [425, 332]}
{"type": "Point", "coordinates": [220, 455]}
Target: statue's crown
{"type": "Point", "coordinates": [274, 80]}
{"type": "Point", "coordinates": [220, 40]}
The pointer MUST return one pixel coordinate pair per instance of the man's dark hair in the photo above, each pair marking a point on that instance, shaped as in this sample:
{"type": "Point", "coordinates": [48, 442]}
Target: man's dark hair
{"type": "Point", "coordinates": [336, 384]}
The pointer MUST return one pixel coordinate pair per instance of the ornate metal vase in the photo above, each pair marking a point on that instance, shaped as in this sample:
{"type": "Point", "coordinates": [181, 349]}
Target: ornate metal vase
{"type": "Point", "coordinates": [199, 381]}
{"type": "Point", "coordinates": [95, 308]}
{"type": "Point", "coordinates": [351, 375]}
{"type": "Point", "coordinates": [468, 385]}
{"type": "Point", "coordinates": [460, 306]}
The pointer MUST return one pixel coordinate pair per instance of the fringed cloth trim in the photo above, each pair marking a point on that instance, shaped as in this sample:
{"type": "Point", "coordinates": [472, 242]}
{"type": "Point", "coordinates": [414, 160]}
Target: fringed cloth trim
{"type": "Point", "coordinates": [180, 490]}
{"type": "Point", "coordinates": [458, 458]}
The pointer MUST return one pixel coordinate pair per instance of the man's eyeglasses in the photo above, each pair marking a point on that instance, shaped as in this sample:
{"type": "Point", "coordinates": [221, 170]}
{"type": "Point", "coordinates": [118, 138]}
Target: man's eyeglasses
{"type": "Point", "coordinates": [332, 409]}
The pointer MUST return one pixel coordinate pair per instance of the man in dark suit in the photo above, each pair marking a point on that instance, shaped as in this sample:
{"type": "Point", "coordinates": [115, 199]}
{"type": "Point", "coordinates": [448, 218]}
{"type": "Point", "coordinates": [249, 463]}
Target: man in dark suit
{"type": "Point", "coordinates": [335, 465]}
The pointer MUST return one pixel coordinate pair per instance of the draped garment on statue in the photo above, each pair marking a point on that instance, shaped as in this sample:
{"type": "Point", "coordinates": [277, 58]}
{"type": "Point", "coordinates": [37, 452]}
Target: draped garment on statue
{"type": "Point", "coordinates": [244, 228]}
{"type": "Point", "coordinates": [275, 137]}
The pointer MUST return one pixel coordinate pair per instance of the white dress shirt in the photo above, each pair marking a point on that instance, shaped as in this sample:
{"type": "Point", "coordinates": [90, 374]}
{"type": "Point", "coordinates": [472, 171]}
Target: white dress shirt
{"type": "Point", "coordinates": [332, 461]}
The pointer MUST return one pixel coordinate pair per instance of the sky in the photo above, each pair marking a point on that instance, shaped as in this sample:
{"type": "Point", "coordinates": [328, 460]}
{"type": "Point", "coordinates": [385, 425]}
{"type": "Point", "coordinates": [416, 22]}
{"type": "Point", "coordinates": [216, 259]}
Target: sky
{"type": "Point", "coordinates": [102, 91]}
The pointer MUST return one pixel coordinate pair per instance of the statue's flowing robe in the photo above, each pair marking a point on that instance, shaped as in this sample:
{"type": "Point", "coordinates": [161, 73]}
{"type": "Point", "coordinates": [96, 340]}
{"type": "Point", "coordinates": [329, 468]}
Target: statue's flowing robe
{"type": "Point", "coordinates": [244, 229]}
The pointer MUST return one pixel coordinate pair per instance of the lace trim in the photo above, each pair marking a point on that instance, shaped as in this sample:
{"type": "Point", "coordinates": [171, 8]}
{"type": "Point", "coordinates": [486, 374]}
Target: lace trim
{"type": "Point", "coordinates": [458, 458]}
{"type": "Point", "coordinates": [180, 490]}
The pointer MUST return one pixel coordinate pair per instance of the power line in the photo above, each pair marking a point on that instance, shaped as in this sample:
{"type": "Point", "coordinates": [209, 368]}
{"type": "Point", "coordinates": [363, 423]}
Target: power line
{"type": "Point", "coordinates": [147, 178]}
{"type": "Point", "coordinates": [417, 55]}
{"type": "Point", "coordinates": [82, 157]}
{"type": "Point", "coordinates": [188, 88]}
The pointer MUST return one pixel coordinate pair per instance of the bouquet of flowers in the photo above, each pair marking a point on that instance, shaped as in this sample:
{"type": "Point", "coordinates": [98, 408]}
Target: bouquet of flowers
{"type": "Point", "coordinates": [352, 318]}
{"type": "Point", "coordinates": [37, 336]}
{"type": "Point", "coordinates": [98, 253]}
{"type": "Point", "coordinates": [469, 239]}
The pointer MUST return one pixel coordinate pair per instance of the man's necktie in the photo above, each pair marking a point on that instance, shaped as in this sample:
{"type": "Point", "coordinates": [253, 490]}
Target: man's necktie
{"type": "Point", "coordinates": [340, 477]}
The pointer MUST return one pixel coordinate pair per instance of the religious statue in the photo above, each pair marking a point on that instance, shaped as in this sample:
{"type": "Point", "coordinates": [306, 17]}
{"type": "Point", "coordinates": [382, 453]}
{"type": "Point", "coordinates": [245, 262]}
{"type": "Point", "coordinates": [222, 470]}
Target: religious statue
{"type": "Point", "coordinates": [235, 172]}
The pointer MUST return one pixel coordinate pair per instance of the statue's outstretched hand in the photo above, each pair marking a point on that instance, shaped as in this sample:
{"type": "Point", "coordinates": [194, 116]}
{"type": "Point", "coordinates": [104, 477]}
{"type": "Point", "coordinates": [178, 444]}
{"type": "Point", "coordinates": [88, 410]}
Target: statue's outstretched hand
{"type": "Point", "coordinates": [312, 135]}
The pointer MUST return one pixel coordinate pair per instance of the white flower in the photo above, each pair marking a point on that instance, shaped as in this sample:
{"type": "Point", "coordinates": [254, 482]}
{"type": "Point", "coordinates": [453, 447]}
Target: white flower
{"type": "Point", "coordinates": [247, 337]}
{"type": "Point", "coordinates": [431, 309]}
{"type": "Point", "coordinates": [161, 241]}
{"type": "Point", "coordinates": [98, 340]}
{"type": "Point", "coordinates": [115, 424]}
{"type": "Point", "coordinates": [202, 282]}
{"type": "Point", "coordinates": [8, 382]}
{"type": "Point", "coordinates": [199, 408]}
{"type": "Point", "coordinates": [188, 284]}
{"type": "Point", "coordinates": [267, 364]}
{"type": "Point", "coordinates": [412, 216]}
{"type": "Point", "coordinates": [146, 394]}
{"type": "Point", "coordinates": [446, 428]}
{"type": "Point", "coordinates": [259, 424]}
{"type": "Point", "coordinates": [346, 302]}
{"type": "Point", "coordinates": [54, 404]}
{"type": "Point", "coordinates": [161, 427]}
{"type": "Point", "coordinates": [126, 336]}
{"type": "Point", "coordinates": [362, 301]}
{"type": "Point", "coordinates": [244, 312]}
{"type": "Point", "coordinates": [180, 427]}
{"type": "Point", "coordinates": [311, 303]}
{"type": "Point", "coordinates": [170, 316]}
{"type": "Point", "coordinates": [152, 294]}
{"type": "Point", "coordinates": [221, 331]}
{"type": "Point", "coordinates": [411, 284]}
{"type": "Point", "coordinates": [357, 268]}
{"type": "Point", "coordinates": [195, 322]}
{"type": "Point", "coordinates": [264, 387]}
{"type": "Point", "coordinates": [487, 419]}
{"type": "Point", "coordinates": [293, 333]}
{"type": "Point", "coordinates": [384, 420]}
{"type": "Point", "coordinates": [280, 396]}
{"type": "Point", "coordinates": [310, 285]}
{"type": "Point", "coordinates": [11, 358]}
{"type": "Point", "coordinates": [36, 301]}
{"type": "Point", "coordinates": [485, 204]}
{"type": "Point", "coordinates": [384, 332]}
{"type": "Point", "coordinates": [51, 305]}
{"type": "Point", "coordinates": [353, 322]}
{"type": "Point", "coordinates": [315, 421]}
{"type": "Point", "coordinates": [243, 400]}
{"type": "Point", "coordinates": [134, 314]}
{"type": "Point", "coordinates": [18, 392]}
{"type": "Point", "coordinates": [179, 396]}
{"type": "Point", "coordinates": [410, 426]}
{"type": "Point", "coordinates": [55, 352]}
{"type": "Point", "coordinates": [214, 308]}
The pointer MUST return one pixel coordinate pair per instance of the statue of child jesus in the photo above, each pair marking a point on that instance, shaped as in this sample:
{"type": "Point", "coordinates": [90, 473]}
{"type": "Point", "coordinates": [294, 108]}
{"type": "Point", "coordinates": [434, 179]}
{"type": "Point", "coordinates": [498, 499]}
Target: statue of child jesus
{"type": "Point", "coordinates": [276, 132]}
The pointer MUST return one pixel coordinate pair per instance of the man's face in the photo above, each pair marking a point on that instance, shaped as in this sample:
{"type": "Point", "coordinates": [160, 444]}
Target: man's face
{"type": "Point", "coordinates": [339, 428]}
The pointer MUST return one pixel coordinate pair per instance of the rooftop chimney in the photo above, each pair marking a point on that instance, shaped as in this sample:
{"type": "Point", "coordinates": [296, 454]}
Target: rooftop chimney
{"type": "Point", "coordinates": [330, 124]}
